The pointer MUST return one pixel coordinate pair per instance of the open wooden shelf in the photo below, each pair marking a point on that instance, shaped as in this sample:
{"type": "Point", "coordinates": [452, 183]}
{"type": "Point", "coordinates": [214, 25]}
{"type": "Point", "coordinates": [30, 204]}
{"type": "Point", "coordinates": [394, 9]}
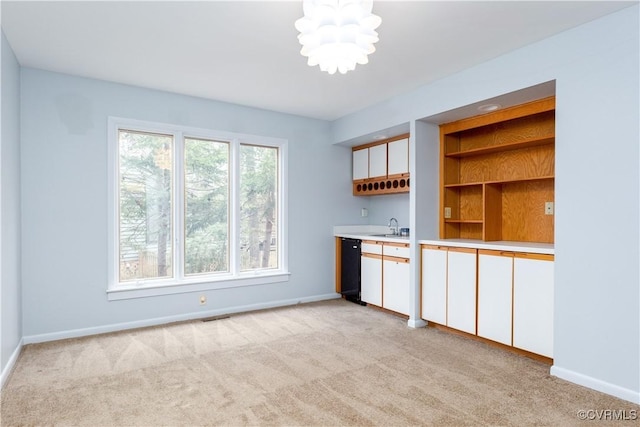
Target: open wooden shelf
{"type": "Point", "coordinates": [531, 142]}
{"type": "Point", "coordinates": [503, 181]}
{"type": "Point", "coordinates": [496, 173]}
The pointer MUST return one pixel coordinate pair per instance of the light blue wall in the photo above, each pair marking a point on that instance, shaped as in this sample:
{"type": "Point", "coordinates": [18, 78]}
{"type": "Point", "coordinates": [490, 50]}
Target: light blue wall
{"type": "Point", "coordinates": [64, 182]}
{"type": "Point", "coordinates": [597, 291]}
{"type": "Point", "coordinates": [597, 313]}
{"type": "Point", "coordinates": [383, 208]}
{"type": "Point", "coordinates": [10, 285]}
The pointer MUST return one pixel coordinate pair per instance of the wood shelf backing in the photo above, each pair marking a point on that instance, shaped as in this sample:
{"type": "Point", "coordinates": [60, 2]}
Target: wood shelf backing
{"type": "Point", "coordinates": [507, 166]}
{"type": "Point", "coordinates": [497, 172]}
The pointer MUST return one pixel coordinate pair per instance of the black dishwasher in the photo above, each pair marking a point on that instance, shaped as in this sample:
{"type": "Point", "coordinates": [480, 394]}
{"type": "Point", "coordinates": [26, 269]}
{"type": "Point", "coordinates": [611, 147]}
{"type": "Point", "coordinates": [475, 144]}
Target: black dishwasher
{"type": "Point", "coordinates": [350, 270]}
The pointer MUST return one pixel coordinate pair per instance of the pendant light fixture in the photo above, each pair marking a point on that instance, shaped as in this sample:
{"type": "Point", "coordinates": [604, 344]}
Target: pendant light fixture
{"type": "Point", "coordinates": [337, 34]}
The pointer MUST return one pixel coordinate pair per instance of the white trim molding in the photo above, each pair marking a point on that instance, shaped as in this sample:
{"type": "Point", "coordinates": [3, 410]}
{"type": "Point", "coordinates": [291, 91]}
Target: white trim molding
{"type": "Point", "coordinates": [11, 364]}
{"type": "Point", "coordinates": [181, 282]}
{"type": "Point", "coordinates": [632, 396]}
{"type": "Point", "coordinates": [133, 291]}
{"type": "Point", "coordinates": [77, 333]}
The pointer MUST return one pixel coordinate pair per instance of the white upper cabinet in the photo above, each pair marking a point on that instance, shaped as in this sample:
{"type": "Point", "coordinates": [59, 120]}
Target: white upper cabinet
{"type": "Point", "coordinates": [361, 164]}
{"type": "Point", "coordinates": [398, 153]}
{"type": "Point", "coordinates": [381, 167]}
{"type": "Point", "coordinates": [378, 161]}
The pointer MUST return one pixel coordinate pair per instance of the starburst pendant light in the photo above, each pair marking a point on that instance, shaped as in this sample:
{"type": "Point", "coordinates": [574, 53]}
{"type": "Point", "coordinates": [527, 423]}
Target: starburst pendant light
{"type": "Point", "coordinates": [337, 34]}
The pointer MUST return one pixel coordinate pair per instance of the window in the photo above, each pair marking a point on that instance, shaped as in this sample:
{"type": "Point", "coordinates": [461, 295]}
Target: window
{"type": "Point", "coordinates": [193, 207]}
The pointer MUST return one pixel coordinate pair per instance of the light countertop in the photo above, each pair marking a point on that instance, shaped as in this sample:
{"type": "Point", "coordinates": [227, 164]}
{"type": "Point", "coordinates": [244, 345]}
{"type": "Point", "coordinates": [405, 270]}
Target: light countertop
{"type": "Point", "coordinates": [378, 232]}
{"type": "Point", "coordinates": [368, 232]}
{"type": "Point", "coordinates": [538, 248]}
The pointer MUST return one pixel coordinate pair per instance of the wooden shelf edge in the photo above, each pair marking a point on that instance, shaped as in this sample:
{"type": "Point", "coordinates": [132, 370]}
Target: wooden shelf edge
{"type": "Point", "coordinates": [534, 107]}
{"type": "Point", "coordinates": [463, 221]}
{"type": "Point", "coordinates": [502, 181]}
{"type": "Point", "coordinates": [533, 142]}
{"type": "Point", "coordinates": [380, 142]}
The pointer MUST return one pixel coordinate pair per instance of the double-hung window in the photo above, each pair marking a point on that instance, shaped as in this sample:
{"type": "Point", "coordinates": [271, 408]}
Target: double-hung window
{"type": "Point", "coordinates": [193, 209]}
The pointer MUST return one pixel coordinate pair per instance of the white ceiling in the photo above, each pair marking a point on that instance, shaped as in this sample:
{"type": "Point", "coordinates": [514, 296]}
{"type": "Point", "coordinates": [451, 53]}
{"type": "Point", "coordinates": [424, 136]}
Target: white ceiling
{"type": "Point", "coordinates": [247, 52]}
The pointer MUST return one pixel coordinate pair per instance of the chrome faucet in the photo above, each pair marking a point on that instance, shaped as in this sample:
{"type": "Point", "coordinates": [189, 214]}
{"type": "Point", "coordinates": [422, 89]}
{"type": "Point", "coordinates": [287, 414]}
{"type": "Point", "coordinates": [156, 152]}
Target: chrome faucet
{"type": "Point", "coordinates": [395, 228]}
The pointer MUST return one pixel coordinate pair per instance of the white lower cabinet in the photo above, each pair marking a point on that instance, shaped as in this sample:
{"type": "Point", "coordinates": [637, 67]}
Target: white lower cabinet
{"type": "Point", "coordinates": [449, 287]}
{"type": "Point", "coordinates": [434, 284]}
{"type": "Point", "coordinates": [495, 277]}
{"type": "Point", "coordinates": [384, 275]}
{"type": "Point", "coordinates": [461, 289]}
{"type": "Point", "coordinates": [514, 297]}
{"type": "Point", "coordinates": [533, 304]}
{"type": "Point", "coordinates": [371, 279]}
{"type": "Point", "coordinates": [395, 284]}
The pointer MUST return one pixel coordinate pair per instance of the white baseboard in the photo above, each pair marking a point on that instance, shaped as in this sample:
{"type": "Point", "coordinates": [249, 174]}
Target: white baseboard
{"type": "Point", "coordinates": [76, 333]}
{"type": "Point", "coordinates": [596, 384]}
{"type": "Point", "coordinates": [11, 363]}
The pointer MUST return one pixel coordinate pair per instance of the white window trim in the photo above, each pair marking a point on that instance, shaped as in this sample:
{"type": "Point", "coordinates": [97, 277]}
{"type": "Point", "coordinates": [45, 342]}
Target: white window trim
{"type": "Point", "coordinates": [196, 283]}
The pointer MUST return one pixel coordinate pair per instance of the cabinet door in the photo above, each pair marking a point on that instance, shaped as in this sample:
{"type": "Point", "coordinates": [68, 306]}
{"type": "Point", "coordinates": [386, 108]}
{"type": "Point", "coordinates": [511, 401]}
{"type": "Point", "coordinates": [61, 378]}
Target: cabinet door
{"type": "Point", "coordinates": [434, 285]}
{"type": "Point", "coordinates": [398, 152]}
{"type": "Point", "coordinates": [371, 279]}
{"type": "Point", "coordinates": [494, 296]}
{"type": "Point", "coordinates": [461, 288]}
{"type": "Point", "coordinates": [395, 285]}
{"type": "Point", "coordinates": [361, 164]}
{"type": "Point", "coordinates": [533, 305]}
{"type": "Point", "coordinates": [378, 160]}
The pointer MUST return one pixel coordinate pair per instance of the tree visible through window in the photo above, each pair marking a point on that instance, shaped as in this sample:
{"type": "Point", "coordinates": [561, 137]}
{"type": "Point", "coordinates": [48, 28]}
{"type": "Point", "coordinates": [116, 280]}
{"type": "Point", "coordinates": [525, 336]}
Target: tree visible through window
{"type": "Point", "coordinates": [145, 199]}
{"type": "Point", "coordinates": [190, 207]}
{"type": "Point", "coordinates": [206, 189]}
{"type": "Point", "coordinates": [258, 195]}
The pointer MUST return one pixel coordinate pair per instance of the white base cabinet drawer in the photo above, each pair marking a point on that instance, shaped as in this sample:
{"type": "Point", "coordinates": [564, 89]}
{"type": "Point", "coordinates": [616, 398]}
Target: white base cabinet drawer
{"type": "Point", "coordinates": [371, 248]}
{"type": "Point", "coordinates": [396, 251]}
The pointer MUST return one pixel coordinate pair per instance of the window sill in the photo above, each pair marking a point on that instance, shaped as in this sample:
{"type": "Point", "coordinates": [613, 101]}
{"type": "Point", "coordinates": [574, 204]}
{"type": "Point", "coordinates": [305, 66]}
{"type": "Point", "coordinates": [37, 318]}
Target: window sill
{"type": "Point", "coordinates": [122, 292]}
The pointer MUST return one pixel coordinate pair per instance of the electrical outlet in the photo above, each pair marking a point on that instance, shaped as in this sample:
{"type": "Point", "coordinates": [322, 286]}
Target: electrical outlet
{"type": "Point", "coordinates": [364, 212]}
{"type": "Point", "coordinates": [447, 212]}
{"type": "Point", "coordinates": [548, 208]}
{"type": "Point", "coordinates": [203, 300]}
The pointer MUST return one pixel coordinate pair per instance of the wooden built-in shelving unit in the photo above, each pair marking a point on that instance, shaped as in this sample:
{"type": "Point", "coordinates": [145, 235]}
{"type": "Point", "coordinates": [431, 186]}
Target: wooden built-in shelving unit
{"type": "Point", "coordinates": [497, 171]}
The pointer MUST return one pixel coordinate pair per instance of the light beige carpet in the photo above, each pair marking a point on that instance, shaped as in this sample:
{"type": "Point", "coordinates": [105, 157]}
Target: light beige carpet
{"type": "Point", "coordinates": [331, 363]}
